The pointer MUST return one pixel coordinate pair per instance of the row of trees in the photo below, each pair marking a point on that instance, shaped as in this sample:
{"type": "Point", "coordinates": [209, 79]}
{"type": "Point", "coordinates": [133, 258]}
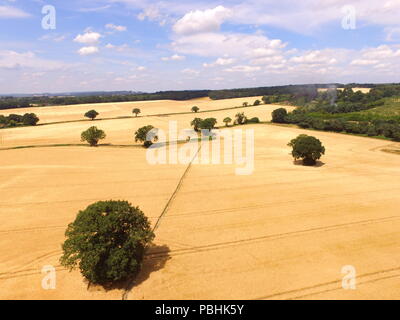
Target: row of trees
{"type": "Point", "coordinates": [299, 94]}
{"type": "Point", "coordinates": [92, 114]}
{"type": "Point", "coordinates": [387, 128]}
{"type": "Point", "coordinates": [16, 120]}
{"type": "Point", "coordinates": [209, 123]}
{"type": "Point", "coordinates": [147, 135]}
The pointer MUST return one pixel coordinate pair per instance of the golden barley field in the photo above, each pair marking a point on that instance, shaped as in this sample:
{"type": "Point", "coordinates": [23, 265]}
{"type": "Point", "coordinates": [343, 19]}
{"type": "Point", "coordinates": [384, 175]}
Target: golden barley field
{"type": "Point", "coordinates": [283, 232]}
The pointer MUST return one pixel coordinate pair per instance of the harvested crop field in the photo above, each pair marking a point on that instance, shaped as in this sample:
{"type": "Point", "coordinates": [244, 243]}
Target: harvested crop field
{"type": "Point", "coordinates": [284, 232]}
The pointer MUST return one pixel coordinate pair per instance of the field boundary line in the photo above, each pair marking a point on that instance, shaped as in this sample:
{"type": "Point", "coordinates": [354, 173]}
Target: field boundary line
{"type": "Point", "coordinates": [165, 210]}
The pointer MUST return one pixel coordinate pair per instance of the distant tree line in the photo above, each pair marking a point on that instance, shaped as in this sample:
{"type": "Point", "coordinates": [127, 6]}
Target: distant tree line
{"type": "Point", "coordinates": [295, 94]}
{"type": "Point", "coordinates": [385, 128]}
{"type": "Point", "coordinates": [335, 101]}
{"type": "Point", "coordinates": [12, 102]}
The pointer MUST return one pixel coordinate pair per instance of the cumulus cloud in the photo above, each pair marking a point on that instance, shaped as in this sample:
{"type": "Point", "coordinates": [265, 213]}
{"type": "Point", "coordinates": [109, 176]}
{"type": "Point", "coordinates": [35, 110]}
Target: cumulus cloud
{"type": "Point", "coordinates": [115, 27]}
{"type": "Point", "coordinates": [202, 21]}
{"type": "Point", "coordinates": [10, 59]}
{"type": "Point", "coordinates": [243, 68]}
{"type": "Point", "coordinates": [11, 12]}
{"type": "Point", "coordinates": [316, 57]}
{"type": "Point", "coordinates": [85, 51]}
{"type": "Point", "coordinates": [220, 62]}
{"type": "Point", "coordinates": [392, 34]}
{"type": "Point", "coordinates": [152, 13]}
{"type": "Point", "coordinates": [189, 71]}
{"type": "Point", "coordinates": [89, 37]}
{"type": "Point", "coordinates": [174, 57]}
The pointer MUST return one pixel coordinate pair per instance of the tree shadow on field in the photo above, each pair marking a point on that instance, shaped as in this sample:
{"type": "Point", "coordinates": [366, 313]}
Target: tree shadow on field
{"type": "Point", "coordinates": [317, 165]}
{"type": "Point", "coordinates": [154, 260]}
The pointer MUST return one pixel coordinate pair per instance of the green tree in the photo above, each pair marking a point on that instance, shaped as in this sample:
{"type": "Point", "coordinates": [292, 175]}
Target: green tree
{"type": "Point", "coordinates": [279, 115]}
{"type": "Point", "coordinates": [254, 120]}
{"type": "Point", "coordinates": [245, 104]}
{"type": "Point", "coordinates": [196, 123]}
{"type": "Point", "coordinates": [208, 124]}
{"type": "Point", "coordinates": [371, 131]}
{"type": "Point", "coordinates": [267, 99]}
{"type": "Point", "coordinates": [227, 121]}
{"type": "Point", "coordinates": [396, 135]}
{"type": "Point", "coordinates": [93, 135]}
{"type": "Point", "coordinates": [92, 114]}
{"type": "Point", "coordinates": [195, 109]}
{"type": "Point", "coordinates": [136, 111]}
{"type": "Point", "coordinates": [107, 241]}
{"type": "Point", "coordinates": [307, 148]}
{"type": "Point", "coordinates": [30, 119]}
{"type": "Point", "coordinates": [241, 118]}
{"type": "Point", "coordinates": [257, 102]}
{"type": "Point", "coordinates": [147, 135]}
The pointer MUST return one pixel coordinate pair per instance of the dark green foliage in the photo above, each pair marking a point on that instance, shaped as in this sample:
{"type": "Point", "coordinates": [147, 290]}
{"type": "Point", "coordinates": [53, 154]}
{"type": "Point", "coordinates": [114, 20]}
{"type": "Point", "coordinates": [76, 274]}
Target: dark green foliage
{"type": "Point", "coordinates": [279, 115]}
{"type": "Point", "coordinates": [294, 91]}
{"type": "Point", "coordinates": [195, 109]}
{"type": "Point", "coordinates": [92, 136]}
{"type": "Point", "coordinates": [253, 120]}
{"type": "Point", "coordinates": [371, 131]}
{"type": "Point", "coordinates": [147, 135]}
{"type": "Point", "coordinates": [136, 111]}
{"type": "Point", "coordinates": [208, 124]}
{"type": "Point", "coordinates": [107, 241]}
{"type": "Point", "coordinates": [240, 118]}
{"type": "Point", "coordinates": [14, 120]}
{"type": "Point", "coordinates": [30, 119]}
{"type": "Point", "coordinates": [196, 123]}
{"type": "Point", "coordinates": [227, 121]}
{"type": "Point", "coordinates": [396, 135]}
{"type": "Point", "coordinates": [257, 103]}
{"type": "Point", "coordinates": [333, 125]}
{"type": "Point", "coordinates": [307, 148]}
{"type": "Point", "coordinates": [92, 114]}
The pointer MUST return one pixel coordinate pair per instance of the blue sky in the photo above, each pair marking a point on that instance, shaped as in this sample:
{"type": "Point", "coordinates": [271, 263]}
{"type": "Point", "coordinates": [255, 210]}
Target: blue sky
{"type": "Point", "coordinates": [144, 45]}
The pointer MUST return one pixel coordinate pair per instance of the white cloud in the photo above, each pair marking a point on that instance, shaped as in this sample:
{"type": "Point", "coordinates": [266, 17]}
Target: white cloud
{"type": "Point", "coordinates": [115, 27]}
{"type": "Point", "coordinates": [220, 62]}
{"type": "Point", "coordinates": [174, 57]}
{"type": "Point", "coordinates": [152, 13]}
{"type": "Point", "coordinates": [392, 34]}
{"type": "Point", "coordinates": [89, 37]}
{"type": "Point", "coordinates": [11, 12]}
{"type": "Point", "coordinates": [190, 71]}
{"type": "Point", "coordinates": [85, 51]}
{"type": "Point", "coordinates": [202, 21]}
{"type": "Point", "coordinates": [315, 57]}
{"type": "Point", "coordinates": [243, 68]}
{"type": "Point", "coordinates": [53, 37]}
{"type": "Point", "coordinates": [308, 16]}
{"type": "Point", "coordinates": [363, 62]}
{"type": "Point", "coordinates": [10, 59]}
{"type": "Point", "coordinates": [119, 48]}
{"type": "Point", "coordinates": [226, 44]}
